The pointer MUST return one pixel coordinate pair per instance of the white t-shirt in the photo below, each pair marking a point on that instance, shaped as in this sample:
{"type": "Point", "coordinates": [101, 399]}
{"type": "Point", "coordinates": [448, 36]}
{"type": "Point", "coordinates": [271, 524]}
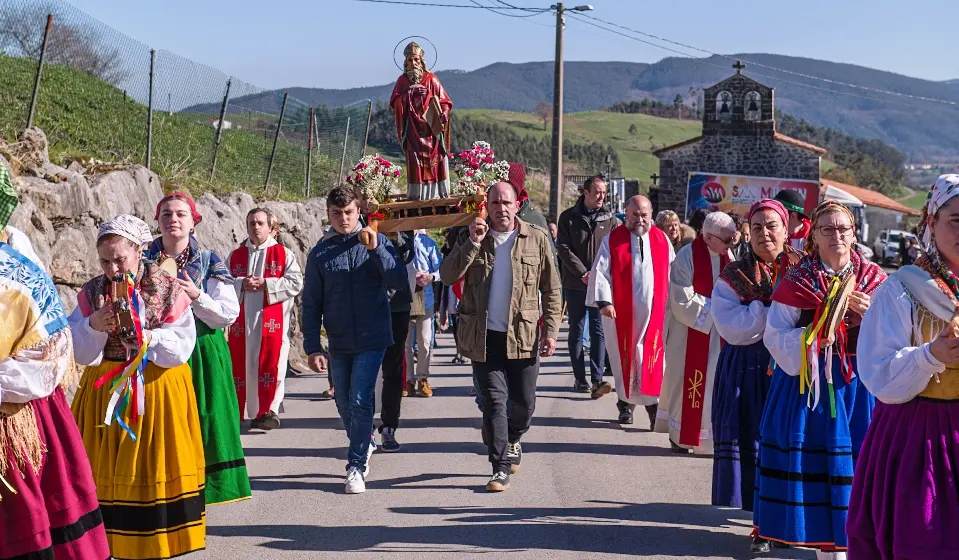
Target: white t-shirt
{"type": "Point", "coordinates": [501, 284]}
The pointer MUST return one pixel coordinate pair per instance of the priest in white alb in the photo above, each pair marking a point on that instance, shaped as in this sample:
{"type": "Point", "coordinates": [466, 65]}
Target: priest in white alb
{"type": "Point", "coordinates": [688, 387]}
{"type": "Point", "coordinates": [267, 278]}
{"type": "Point", "coordinates": [629, 283]}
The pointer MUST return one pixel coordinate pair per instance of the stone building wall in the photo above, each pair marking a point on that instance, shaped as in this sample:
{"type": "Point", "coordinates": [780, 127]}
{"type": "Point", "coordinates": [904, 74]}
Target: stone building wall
{"type": "Point", "coordinates": [758, 156]}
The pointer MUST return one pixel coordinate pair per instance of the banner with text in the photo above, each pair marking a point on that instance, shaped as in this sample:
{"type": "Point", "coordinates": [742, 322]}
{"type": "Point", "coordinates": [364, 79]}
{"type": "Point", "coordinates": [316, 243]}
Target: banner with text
{"type": "Point", "coordinates": [734, 194]}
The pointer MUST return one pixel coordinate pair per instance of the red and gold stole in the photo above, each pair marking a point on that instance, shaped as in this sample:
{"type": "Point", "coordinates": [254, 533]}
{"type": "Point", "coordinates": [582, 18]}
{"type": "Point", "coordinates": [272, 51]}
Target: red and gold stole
{"type": "Point", "coordinates": [621, 271]}
{"type": "Point", "coordinates": [697, 347]}
{"type": "Point", "coordinates": [271, 341]}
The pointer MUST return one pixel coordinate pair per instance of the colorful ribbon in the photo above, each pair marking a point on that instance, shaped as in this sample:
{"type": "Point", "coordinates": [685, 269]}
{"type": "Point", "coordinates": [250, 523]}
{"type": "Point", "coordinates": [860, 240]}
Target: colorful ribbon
{"type": "Point", "coordinates": [812, 341]}
{"type": "Point", "coordinates": [126, 380]}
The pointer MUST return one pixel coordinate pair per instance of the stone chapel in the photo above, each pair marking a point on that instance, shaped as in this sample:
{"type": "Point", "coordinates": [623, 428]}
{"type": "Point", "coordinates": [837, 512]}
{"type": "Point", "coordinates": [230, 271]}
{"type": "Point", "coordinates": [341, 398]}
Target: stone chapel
{"type": "Point", "coordinates": [739, 138]}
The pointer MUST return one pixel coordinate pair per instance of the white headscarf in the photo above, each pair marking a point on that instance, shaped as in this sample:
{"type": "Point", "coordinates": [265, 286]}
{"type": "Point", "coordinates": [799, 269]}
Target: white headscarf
{"type": "Point", "coordinates": [127, 227]}
{"type": "Point", "coordinates": [946, 187]}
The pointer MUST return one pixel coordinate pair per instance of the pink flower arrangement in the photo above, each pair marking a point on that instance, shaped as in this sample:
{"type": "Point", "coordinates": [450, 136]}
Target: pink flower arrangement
{"type": "Point", "coordinates": [478, 168]}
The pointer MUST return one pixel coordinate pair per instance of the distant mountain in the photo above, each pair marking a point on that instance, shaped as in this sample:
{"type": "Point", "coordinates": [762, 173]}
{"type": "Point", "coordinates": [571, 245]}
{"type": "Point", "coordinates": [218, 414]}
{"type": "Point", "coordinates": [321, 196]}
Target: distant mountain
{"type": "Point", "coordinates": [953, 82]}
{"type": "Point", "coordinates": [921, 129]}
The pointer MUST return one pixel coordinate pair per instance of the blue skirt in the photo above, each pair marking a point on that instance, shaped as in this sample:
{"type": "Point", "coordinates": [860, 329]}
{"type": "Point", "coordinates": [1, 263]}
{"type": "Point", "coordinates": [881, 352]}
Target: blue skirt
{"type": "Point", "coordinates": [807, 459]}
{"type": "Point", "coordinates": [742, 381]}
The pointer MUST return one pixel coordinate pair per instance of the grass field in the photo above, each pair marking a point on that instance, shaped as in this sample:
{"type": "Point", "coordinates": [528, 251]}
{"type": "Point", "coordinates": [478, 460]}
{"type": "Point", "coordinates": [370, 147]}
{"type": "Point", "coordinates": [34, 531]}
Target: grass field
{"type": "Point", "coordinates": [85, 116]}
{"type": "Point", "coordinates": [914, 200]}
{"type": "Point", "coordinates": [635, 150]}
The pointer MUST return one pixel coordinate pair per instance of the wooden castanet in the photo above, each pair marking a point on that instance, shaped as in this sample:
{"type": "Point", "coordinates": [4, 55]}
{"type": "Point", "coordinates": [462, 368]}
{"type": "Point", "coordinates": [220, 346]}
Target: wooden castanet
{"type": "Point", "coordinates": [365, 237]}
{"type": "Point", "coordinates": [122, 309]}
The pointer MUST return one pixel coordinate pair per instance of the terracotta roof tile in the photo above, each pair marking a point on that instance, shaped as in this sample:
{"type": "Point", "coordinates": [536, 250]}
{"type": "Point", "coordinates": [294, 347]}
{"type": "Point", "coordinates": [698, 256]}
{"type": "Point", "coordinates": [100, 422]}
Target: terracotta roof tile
{"type": "Point", "coordinates": [872, 198]}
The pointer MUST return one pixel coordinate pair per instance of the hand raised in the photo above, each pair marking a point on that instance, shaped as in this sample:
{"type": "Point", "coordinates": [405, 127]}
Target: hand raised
{"type": "Point", "coordinates": [104, 319]}
{"type": "Point", "coordinates": [859, 302]}
{"type": "Point", "coordinates": [189, 288]}
{"type": "Point", "coordinates": [478, 230]}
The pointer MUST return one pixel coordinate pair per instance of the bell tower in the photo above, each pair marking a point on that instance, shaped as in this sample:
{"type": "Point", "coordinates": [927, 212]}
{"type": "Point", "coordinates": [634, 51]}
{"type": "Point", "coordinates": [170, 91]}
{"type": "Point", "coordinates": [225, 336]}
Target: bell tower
{"type": "Point", "coordinates": [738, 106]}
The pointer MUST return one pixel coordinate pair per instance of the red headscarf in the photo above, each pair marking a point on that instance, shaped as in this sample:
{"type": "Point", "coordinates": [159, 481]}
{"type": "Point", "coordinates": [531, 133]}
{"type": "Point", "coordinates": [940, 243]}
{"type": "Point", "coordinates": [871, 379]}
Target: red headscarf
{"type": "Point", "coordinates": [769, 204]}
{"type": "Point", "coordinates": [197, 218]}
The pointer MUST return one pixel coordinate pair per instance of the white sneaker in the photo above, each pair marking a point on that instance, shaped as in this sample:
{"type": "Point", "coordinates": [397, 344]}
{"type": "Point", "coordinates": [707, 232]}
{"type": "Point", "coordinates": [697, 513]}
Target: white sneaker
{"type": "Point", "coordinates": [355, 481]}
{"type": "Point", "coordinates": [369, 456]}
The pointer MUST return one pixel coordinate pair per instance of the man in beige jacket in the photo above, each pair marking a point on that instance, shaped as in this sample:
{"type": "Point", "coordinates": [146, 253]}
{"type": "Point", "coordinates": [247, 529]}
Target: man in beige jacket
{"type": "Point", "coordinates": [509, 276]}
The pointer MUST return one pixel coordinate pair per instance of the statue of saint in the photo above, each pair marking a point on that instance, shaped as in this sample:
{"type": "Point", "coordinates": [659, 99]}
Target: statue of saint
{"type": "Point", "coordinates": [421, 109]}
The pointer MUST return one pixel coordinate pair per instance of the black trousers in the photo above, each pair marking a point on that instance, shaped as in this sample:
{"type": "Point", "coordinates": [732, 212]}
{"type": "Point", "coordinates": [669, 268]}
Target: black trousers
{"type": "Point", "coordinates": [393, 365]}
{"type": "Point", "coordinates": [500, 379]}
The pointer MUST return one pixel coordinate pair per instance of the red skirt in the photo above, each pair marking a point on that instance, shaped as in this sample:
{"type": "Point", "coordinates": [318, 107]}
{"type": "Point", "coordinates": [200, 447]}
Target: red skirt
{"type": "Point", "coordinates": [54, 514]}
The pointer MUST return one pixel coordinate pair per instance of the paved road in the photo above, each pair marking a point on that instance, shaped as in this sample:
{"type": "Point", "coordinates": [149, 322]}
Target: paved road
{"type": "Point", "coordinates": [587, 489]}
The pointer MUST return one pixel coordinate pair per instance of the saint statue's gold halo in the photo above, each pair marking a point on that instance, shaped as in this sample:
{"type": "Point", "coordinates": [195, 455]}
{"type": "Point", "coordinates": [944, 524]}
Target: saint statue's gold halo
{"type": "Point", "coordinates": [403, 40]}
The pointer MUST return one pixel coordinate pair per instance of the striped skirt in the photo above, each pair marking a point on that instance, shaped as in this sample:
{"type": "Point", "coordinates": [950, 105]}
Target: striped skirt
{"type": "Point", "coordinates": [151, 490]}
{"type": "Point", "coordinates": [742, 381]}
{"type": "Point", "coordinates": [806, 461]}
{"type": "Point", "coordinates": [54, 513]}
{"type": "Point", "coordinates": [905, 497]}
{"type": "Point", "coordinates": [226, 477]}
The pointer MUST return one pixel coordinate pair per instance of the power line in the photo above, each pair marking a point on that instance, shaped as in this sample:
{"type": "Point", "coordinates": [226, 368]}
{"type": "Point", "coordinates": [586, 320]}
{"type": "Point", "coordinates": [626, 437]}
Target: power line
{"type": "Point", "coordinates": [706, 62]}
{"type": "Point", "coordinates": [436, 5]}
{"type": "Point", "coordinates": [509, 7]}
{"type": "Point", "coordinates": [760, 65]}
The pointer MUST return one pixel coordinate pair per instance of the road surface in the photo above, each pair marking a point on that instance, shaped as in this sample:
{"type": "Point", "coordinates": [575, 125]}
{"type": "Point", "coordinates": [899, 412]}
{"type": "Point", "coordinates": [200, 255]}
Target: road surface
{"type": "Point", "coordinates": [587, 489]}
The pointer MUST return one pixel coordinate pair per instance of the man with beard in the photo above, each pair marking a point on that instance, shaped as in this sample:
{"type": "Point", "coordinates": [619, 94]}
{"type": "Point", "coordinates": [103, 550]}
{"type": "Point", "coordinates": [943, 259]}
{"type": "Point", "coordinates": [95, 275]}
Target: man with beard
{"type": "Point", "coordinates": [421, 109]}
{"type": "Point", "coordinates": [628, 283]}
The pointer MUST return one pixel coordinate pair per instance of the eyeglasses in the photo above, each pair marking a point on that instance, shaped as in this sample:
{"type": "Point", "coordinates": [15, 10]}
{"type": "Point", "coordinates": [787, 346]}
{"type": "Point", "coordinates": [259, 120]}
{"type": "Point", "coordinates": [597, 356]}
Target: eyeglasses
{"type": "Point", "coordinates": [829, 231]}
{"type": "Point", "coordinates": [721, 240]}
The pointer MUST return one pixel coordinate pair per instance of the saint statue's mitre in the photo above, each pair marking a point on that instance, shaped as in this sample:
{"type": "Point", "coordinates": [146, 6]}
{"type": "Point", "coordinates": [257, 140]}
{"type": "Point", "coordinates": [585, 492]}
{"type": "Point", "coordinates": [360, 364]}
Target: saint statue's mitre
{"type": "Point", "coordinates": [412, 49]}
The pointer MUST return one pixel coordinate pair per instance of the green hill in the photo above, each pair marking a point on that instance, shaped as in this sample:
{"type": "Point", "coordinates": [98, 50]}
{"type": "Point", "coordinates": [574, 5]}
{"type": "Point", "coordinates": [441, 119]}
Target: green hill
{"type": "Point", "coordinates": [613, 129]}
{"type": "Point", "coordinates": [85, 116]}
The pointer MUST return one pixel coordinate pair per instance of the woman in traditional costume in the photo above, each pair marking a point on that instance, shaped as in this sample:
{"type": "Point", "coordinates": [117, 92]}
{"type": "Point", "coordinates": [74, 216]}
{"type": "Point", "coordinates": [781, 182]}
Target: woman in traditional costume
{"type": "Point", "coordinates": [817, 411]}
{"type": "Point", "coordinates": [740, 301]}
{"type": "Point", "coordinates": [148, 459]}
{"type": "Point", "coordinates": [207, 282]}
{"type": "Point", "coordinates": [48, 500]}
{"type": "Point", "coordinates": [905, 498]}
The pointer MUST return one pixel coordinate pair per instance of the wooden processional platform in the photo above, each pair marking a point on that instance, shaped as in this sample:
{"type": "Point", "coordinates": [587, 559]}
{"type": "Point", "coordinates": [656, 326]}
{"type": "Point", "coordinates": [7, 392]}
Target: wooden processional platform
{"type": "Point", "coordinates": [409, 215]}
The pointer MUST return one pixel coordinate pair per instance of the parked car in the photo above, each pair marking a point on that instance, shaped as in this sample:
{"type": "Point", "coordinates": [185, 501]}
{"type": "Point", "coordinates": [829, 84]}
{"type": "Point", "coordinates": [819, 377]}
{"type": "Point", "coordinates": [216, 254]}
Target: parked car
{"type": "Point", "coordinates": [886, 246]}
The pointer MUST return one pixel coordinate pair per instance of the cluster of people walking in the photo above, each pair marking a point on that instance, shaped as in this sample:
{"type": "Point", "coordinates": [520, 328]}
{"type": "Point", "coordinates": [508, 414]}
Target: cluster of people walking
{"type": "Point", "coordinates": [741, 343]}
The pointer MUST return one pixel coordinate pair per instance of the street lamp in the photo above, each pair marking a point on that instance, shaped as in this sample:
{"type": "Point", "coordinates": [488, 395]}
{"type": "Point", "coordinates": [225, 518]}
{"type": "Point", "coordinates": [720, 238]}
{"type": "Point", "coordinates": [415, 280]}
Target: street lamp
{"type": "Point", "coordinates": [556, 163]}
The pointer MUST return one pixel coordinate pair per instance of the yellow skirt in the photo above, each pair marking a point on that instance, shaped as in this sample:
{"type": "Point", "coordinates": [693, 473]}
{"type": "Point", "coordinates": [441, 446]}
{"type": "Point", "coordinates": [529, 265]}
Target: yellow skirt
{"type": "Point", "coordinates": [151, 489]}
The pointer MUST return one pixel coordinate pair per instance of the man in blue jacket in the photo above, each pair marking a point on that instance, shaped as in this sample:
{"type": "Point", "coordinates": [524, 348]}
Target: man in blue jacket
{"type": "Point", "coordinates": [346, 291]}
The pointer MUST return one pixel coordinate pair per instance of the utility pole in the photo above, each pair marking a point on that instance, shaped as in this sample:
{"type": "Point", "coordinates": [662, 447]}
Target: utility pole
{"type": "Point", "coordinates": [556, 161]}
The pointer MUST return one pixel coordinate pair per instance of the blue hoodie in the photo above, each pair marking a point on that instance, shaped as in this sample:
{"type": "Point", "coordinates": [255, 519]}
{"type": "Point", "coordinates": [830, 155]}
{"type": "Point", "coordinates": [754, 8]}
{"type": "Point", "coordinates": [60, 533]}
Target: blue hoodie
{"type": "Point", "coordinates": [346, 290]}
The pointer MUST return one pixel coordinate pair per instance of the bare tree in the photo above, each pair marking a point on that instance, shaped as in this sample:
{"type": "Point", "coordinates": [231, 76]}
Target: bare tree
{"type": "Point", "coordinates": [21, 35]}
{"type": "Point", "coordinates": [544, 110]}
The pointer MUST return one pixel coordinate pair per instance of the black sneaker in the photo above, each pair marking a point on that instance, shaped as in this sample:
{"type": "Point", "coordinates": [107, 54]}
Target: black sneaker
{"type": "Point", "coordinates": [600, 389]}
{"type": "Point", "coordinates": [269, 421]}
{"type": "Point", "coordinates": [675, 448]}
{"type": "Point", "coordinates": [625, 412]}
{"type": "Point", "coordinates": [514, 452]}
{"type": "Point", "coordinates": [389, 444]}
{"type": "Point", "coordinates": [498, 482]}
{"type": "Point", "coordinates": [580, 386]}
{"type": "Point", "coordinates": [759, 546]}
{"type": "Point", "coordinates": [256, 424]}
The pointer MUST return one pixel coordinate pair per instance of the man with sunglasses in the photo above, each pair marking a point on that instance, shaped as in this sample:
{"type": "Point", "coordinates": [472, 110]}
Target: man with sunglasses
{"type": "Point", "coordinates": [692, 342]}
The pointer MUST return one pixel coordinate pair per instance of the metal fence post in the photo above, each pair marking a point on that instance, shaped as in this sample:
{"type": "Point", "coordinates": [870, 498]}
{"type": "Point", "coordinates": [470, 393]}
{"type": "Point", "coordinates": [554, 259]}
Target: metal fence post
{"type": "Point", "coordinates": [153, 61]}
{"type": "Point", "coordinates": [309, 152]}
{"type": "Point", "coordinates": [219, 127]}
{"type": "Point", "coordinates": [276, 141]}
{"type": "Point", "coordinates": [369, 119]}
{"type": "Point", "coordinates": [346, 137]}
{"type": "Point", "coordinates": [36, 82]}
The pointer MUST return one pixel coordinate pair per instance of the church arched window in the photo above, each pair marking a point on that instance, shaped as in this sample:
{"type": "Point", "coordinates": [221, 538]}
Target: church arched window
{"type": "Point", "coordinates": [724, 106]}
{"type": "Point", "coordinates": [753, 106]}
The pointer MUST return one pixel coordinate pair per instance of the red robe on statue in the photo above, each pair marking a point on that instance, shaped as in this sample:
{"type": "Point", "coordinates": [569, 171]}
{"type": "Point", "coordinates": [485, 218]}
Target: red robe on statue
{"type": "Point", "coordinates": [424, 152]}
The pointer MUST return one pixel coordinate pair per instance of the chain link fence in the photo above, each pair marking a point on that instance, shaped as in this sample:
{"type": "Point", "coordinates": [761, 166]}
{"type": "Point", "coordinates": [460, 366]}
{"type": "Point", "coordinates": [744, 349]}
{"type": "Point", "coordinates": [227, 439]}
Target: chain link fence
{"type": "Point", "coordinates": [104, 95]}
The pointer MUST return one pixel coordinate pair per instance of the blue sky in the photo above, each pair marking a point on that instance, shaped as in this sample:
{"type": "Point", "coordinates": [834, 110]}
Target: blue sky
{"type": "Point", "coordinates": [343, 43]}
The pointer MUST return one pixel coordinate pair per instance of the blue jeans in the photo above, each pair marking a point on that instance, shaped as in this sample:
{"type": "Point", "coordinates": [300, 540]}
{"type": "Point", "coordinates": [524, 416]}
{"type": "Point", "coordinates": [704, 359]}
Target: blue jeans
{"type": "Point", "coordinates": [354, 376]}
{"type": "Point", "coordinates": [578, 315]}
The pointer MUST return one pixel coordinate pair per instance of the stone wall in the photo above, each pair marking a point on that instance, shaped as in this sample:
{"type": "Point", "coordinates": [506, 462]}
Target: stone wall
{"type": "Point", "coordinates": [758, 156]}
{"type": "Point", "coordinates": [62, 208]}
